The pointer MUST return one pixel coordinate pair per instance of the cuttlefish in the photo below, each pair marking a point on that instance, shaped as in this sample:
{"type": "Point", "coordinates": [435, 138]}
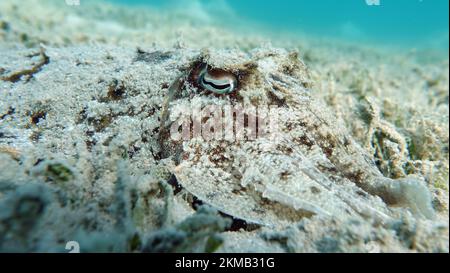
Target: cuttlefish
{"type": "Point", "coordinates": [306, 164]}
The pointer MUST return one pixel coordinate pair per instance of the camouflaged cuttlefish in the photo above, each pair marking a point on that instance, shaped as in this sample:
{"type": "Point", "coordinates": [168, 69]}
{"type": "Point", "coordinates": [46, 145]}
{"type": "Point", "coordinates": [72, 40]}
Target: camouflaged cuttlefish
{"type": "Point", "coordinates": [309, 166]}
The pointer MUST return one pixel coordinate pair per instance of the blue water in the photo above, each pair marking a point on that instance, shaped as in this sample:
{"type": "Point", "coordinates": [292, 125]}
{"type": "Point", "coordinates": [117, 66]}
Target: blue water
{"type": "Point", "coordinates": [412, 23]}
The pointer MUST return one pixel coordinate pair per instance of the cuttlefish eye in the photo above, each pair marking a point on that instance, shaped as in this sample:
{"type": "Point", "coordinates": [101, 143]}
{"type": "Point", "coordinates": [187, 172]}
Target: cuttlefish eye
{"type": "Point", "coordinates": [217, 80]}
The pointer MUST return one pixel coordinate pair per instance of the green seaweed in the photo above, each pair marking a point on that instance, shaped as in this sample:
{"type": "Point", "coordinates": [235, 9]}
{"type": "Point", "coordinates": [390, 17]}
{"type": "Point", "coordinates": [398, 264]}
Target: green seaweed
{"type": "Point", "coordinates": [59, 172]}
{"type": "Point", "coordinates": [213, 243]}
{"type": "Point", "coordinates": [17, 76]}
{"type": "Point", "coordinates": [198, 233]}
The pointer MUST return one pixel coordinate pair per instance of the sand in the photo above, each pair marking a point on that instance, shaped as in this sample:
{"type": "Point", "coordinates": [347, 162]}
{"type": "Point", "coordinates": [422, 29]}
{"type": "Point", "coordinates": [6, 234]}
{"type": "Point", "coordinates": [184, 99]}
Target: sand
{"type": "Point", "coordinates": [82, 93]}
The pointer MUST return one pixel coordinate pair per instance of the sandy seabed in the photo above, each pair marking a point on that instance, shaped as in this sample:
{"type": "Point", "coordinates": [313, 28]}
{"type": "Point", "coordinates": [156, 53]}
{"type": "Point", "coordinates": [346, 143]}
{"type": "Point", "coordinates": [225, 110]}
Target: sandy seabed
{"type": "Point", "coordinates": [82, 94]}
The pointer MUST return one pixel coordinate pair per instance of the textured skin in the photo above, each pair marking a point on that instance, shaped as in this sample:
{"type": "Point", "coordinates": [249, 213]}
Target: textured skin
{"type": "Point", "coordinates": [311, 166]}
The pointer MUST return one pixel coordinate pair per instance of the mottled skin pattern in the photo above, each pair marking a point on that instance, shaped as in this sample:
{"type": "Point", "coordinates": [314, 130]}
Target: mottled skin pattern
{"type": "Point", "coordinates": [311, 166]}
